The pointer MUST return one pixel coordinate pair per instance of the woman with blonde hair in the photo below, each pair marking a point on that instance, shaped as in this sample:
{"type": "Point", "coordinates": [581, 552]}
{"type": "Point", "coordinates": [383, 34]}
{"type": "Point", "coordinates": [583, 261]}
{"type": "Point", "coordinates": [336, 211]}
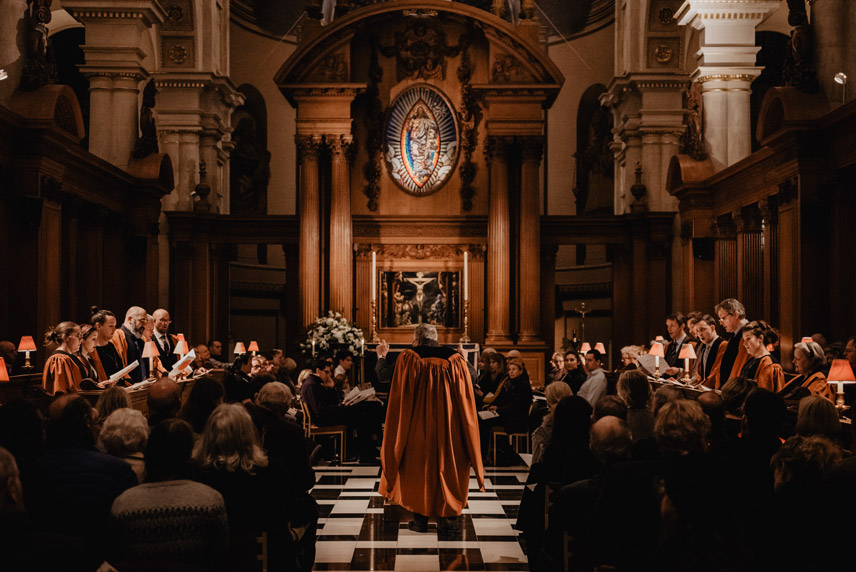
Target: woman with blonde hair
{"type": "Point", "coordinates": [554, 393]}
{"type": "Point", "coordinates": [62, 370]}
{"type": "Point", "coordinates": [112, 399]}
{"type": "Point", "coordinates": [258, 491]}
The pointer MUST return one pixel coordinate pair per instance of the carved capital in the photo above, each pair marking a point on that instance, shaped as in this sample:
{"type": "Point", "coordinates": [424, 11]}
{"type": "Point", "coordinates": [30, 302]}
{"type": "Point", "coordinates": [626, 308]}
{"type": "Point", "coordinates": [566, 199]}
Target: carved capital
{"type": "Point", "coordinates": [724, 227]}
{"type": "Point", "coordinates": [308, 146]}
{"type": "Point", "coordinates": [340, 146]}
{"type": "Point", "coordinates": [477, 251]}
{"type": "Point", "coordinates": [788, 190]}
{"type": "Point", "coordinates": [496, 147]}
{"type": "Point", "coordinates": [532, 148]}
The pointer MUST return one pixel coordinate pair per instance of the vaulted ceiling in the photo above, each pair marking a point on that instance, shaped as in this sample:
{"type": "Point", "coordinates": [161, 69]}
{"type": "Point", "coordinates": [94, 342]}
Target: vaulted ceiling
{"type": "Point", "coordinates": [567, 18]}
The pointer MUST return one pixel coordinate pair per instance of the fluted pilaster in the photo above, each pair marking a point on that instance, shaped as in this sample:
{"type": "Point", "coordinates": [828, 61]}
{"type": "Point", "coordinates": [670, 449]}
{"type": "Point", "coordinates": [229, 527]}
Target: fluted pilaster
{"type": "Point", "coordinates": [498, 245]}
{"type": "Point", "coordinates": [310, 228]}
{"type": "Point", "coordinates": [341, 240]}
{"type": "Point", "coordinates": [530, 241]}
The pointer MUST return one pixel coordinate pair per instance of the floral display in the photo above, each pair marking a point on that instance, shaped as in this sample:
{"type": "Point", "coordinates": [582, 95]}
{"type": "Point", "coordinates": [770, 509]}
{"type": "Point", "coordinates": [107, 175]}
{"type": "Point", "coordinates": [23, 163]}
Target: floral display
{"type": "Point", "coordinates": [330, 334]}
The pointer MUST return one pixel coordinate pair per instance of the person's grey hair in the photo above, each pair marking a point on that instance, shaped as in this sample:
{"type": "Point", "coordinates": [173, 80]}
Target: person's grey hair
{"type": "Point", "coordinates": [275, 396]}
{"type": "Point", "coordinates": [814, 352]}
{"type": "Point", "coordinates": [125, 432]}
{"type": "Point", "coordinates": [610, 440]}
{"type": "Point", "coordinates": [732, 306]}
{"type": "Point", "coordinates": [555, 392]}
{"type": "Point", "coordinates": [425, 332]}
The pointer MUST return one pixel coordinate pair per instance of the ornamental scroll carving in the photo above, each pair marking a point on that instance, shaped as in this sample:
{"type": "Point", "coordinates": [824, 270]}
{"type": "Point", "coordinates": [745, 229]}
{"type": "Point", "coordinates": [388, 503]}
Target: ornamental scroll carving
{"type": "Point", "coordinates": [470, 116]}
{"type": "Point", "coordinates": [420, 51]}
{"type": "Point", "coordinates": [420, 251]}
{"type": "Point", "coordinates": [39, 68]}
{"type": "Point", "coordinates": [374, 129]}
{"type": "Point", "coordinates": [692, 142]}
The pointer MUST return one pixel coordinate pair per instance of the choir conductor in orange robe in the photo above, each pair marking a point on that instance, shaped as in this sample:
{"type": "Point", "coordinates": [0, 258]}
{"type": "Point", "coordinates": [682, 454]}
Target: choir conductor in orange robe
{"type": "Point", "coordinates": [431, 437]}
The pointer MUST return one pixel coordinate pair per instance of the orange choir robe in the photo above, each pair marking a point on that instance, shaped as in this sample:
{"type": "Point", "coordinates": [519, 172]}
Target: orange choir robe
{"type": "Point", "coordinates": [120, 342]}
{"type": "Point", "coordinates": [769, 375]}
{"type": "Point", "coordinates": [722, 377]}
{"type": "Point", "coordinates": [99, 367]}
{"type": "Point", "coordinates": [61, 374]}
{"type": "Point", "coordinates": [431, 436]}
{"type": "Point", "coordinates": [712, 380]}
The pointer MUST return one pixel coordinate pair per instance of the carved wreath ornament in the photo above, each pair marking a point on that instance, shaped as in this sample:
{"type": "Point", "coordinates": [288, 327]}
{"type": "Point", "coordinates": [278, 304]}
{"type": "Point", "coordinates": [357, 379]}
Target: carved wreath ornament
{"type": "Point", "coordinates": [421, 140]}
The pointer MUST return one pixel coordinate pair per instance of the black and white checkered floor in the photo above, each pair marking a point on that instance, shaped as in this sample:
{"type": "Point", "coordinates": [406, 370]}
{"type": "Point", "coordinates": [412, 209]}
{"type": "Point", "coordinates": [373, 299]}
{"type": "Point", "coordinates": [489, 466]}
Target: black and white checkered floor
{"type": "Point", "coordinates": [359, 530]}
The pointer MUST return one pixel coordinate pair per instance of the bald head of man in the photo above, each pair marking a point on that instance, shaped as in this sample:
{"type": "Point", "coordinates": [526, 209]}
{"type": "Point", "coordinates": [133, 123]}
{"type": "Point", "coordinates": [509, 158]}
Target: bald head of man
{"type": "Point", "coordinates": [162, 320]}
{"type": "Point", "coordinates": [135, 319]}
{"type": "Point", "coordinates": [163, 400]}
{"type": "Point", "coordinates": [611, 441]}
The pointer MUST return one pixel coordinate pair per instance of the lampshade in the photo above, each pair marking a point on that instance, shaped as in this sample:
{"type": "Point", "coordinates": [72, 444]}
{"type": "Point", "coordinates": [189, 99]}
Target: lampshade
{"type": "Point", "coordinates": [4, 375]}
{"type": "Point", "coordinates": [599, 347]}
{"type": "Point", "coordinates": [150, 350]}
{"type": "Point", "coordinates": [586, 347]}
{"type": "Point", "coordinates": [239, 348]}
{"type": "Point", "coordinates": [657, 350]}
{"type": "Point", "coordinates": [180, 337]}
{"type": "Point", "coordinates": [254, 347]}
{"type": "Point", "coordinates": [27, 344]}
{"type": "Point", "coordinates": [660, 339]}
{"type": "Point", "coordinates": [687, 351]}
{"type": "Point", "coordinates": [806, 340]}
{"type": "Point", "coordinates": [841, 372]}
{"type": "Point", "coordinates": [180, 348]}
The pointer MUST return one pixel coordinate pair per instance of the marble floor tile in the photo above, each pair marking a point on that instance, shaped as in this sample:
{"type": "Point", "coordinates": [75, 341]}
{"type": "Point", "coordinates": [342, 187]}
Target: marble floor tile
{"type": "Point", "coordinates": [334, 551]}
{"type": "Point", "coordinates": [417, 562]}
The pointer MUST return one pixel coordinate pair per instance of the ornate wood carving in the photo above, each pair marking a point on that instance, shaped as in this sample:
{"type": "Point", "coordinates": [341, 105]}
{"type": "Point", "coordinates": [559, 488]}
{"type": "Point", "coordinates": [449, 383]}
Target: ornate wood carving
{"type": "Point", "coordinates": [147, 143]}
{"type": "Point", "coordinates": [692, 142]}
{"type": "Point", "coordinates": [39, 68]}
{"type": "Point", "coordinates": [420, 251]}
{"type": "Point", "coordinates": [507, 69]}
{"type": "Point", "coordinates": [470, 117]}
{"type": "Point", "coordinates": [799, 70]}
{"type": "Point", "coordinates": [374, 128]}
{"type": "Point", "coordinates": [420, 51]}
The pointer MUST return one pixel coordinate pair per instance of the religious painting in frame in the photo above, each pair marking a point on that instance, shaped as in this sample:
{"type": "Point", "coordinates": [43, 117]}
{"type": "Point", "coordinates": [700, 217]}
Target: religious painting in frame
{"type": "Point", "coordinates": [409, 298]}
{"type": "Point", "coordinates": [421, 139]}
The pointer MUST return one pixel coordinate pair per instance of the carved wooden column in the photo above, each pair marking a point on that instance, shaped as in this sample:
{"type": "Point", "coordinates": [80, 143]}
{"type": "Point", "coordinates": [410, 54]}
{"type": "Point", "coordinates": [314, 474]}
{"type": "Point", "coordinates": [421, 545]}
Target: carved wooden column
{"type": "Point", "coordinates": [310, 251]}
{"type": "Point", "coordinates": [341, 281]}
{"type": "Point", "coordinates": [725, 269]}
{"type": "Point", "coordinates": [790, 252]}
{"type": "Point", "coordinates": [498, 244]}
{"type": "Point", "coordinates": [768, 208]}
{"type": "Point", "coordinates": [530, 242]}
{"type": "Point", "coordinates": [750, 262]}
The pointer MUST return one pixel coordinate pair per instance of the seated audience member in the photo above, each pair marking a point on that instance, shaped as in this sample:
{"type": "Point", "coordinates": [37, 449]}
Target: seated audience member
{"type": "Point", "coordinates": [163, 400]}
{"type": "Point", "coordinates": [218, 358]}
{"type": "Point", "coordinates": [734, 393]}
{"type": "Point", "coordinates": [62, 370]}
{"type": "Point", "coordinates": [713, 407]}
{"type": "Point", "coordinates": [112, 399]}
{"type": "Point", "coordinates": [665, 394]}
{"type": "Point", "coordinates": [87, 358]}
{"type": "Point", "coordinates": [682, 428]}
{"type": "Point", "coordinates": [344, 363]}
{"type": "Point", "coordinates": [325, 408]}
{"type": "Point", "coordinates": [287, 367]}
{"type": "Point", "coordinates": [759, 365]}
{"type": "Point", "coordinates": [259, 492]}
{"type": "Point", "coordinates": [802, 468]}
{"type": "Point", "coordinates": [202, 361]}
{"type": "Point", "coordinates": [512, 402]}
{"type": "Point", "coordinates": [609, 406]}
{"type": "Point", "coordinates": [22, 433]}
{"type": "Point", "coordinates": [605, 515]}
{"type": "Point", "coordinates": [818, 416]}
{"type": "Point", "coordinates": [629, 355]}
{"type": "Point", "coordinates": [237, 381]}
{"type": "Point", "coordinates": [204, 397]}
{"type": "Point", "coordinates": [124, 434]}
{"type": "Point", "coordinates": [260, 380]}
{"type": "Point", "coordinates": [304, 374]}
{"type": "Point", "coordinates": [833, 351]}
{"type": "Point", "coordinates": [595, 384]}
{"type": "Point", "coordinates": [575, 372]}
{"type": "Point", "coordinates": [76, 483]}
{"type": "Point", "coordinates": [553, 393]}
{"type": "Point", "coordinates": [810, 364]}
{"type": "Point", "coordinates": [634, 389]}
{"type": "Point", "coordinates": [557, 367]}
{"type": "Point", "coordinates": [491, 385]}
{"type": "Point", "coordinates": [149, 516]}
{"type": "Point", "coordinates": [284, 440]}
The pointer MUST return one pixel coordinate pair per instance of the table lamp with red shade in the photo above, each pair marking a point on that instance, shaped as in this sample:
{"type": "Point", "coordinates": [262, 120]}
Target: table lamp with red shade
{"type": "Point", "coordinates": [585, 348]}
{"type": "Point", "coordinates": [27, 345]}
{"type": "Point", "coordinates": [239, 349]}
{"type": "Point", "coordinates": [4, 374]}
{"type": "Point", "coordinates": [840, 372]}
{"type": "Point", "coordinates": [181, 348]}
{"type": "Point", "coordinates": [254, 348]}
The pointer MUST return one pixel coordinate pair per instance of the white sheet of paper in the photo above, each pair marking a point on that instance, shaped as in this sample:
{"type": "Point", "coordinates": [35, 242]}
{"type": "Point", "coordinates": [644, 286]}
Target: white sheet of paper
{"type": "Point", "coordinates": [488, 414]}
{"type": "Point", "coordinates": [123, 372]}
{"type": "Point", "coordinates": [183, 363]}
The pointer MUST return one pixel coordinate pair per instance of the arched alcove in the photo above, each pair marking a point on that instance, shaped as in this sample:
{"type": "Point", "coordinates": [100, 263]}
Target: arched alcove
{"type": "Point", "coordinates": [594, 169]}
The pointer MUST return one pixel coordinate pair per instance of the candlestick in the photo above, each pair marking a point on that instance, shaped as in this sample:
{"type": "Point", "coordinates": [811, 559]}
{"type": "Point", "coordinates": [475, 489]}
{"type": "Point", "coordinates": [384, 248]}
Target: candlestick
{"type": "Point", "coordinates": [465, 339]}
{"type": "Point", "coordinates": [686, 370]}
{"type": "Point", "coordinates": [375, 338]}
{"type": "Point", "coordinates": [374, 275]}
{"type": "Point", "coordinates": [466, 281]}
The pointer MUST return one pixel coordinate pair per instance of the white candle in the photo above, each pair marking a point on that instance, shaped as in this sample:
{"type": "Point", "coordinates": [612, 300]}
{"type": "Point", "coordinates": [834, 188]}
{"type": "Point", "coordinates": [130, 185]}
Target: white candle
{"type": "Point", "coordinates": [313, 348]}
{"type": "Point", "coordinates": [374, 275]}
{"type": "Point", "coordinates": [656, 361]}
{"type": "Point", "coordinates": [466, 282]}
{"type": "Point", "coordinates": [363, 347]}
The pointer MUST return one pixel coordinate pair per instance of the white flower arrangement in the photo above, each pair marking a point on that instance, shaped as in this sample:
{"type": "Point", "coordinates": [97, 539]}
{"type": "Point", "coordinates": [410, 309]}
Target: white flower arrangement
{"type": "Point", "coordinates": [330, 334]}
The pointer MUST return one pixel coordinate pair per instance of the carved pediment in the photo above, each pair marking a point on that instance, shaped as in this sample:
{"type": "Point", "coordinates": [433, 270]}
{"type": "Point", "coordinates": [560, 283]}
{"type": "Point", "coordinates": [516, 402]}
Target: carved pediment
{"type": "Point", "coordinates": [507, 68]}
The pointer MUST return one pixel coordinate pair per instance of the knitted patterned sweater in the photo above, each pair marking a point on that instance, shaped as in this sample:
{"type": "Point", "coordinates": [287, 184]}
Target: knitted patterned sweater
{"type": "Point", "coordinates": [171, 520]}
